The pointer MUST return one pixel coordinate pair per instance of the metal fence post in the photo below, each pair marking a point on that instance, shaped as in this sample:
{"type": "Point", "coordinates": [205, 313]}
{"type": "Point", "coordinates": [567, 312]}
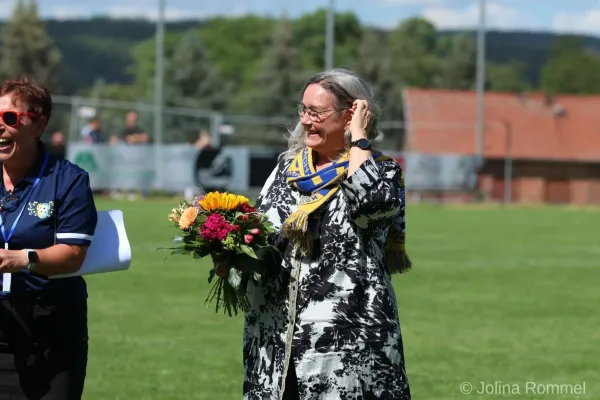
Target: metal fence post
{"type": "Point", "coordinates": [73, 121]}
{"type": "Point", "coordinates": [216, 121]}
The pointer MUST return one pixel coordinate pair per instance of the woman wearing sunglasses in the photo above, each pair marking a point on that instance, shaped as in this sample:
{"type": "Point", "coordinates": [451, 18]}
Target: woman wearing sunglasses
{"type": "Point", "coordinates": [47, 219]}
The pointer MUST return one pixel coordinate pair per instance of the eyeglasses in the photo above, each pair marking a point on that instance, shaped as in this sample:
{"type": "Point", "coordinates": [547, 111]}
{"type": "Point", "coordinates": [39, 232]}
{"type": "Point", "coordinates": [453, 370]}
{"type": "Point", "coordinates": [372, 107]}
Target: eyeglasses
{"type": "Point", "coordinates": [8, 202]}
{"type": "Point", "coordinates": [12, 118]}
{"type": "Point", "coordinates": [314, 115]}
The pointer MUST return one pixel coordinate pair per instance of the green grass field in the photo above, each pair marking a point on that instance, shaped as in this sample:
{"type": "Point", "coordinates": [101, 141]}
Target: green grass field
{"type": "Point", "coordinates": [500, 296]}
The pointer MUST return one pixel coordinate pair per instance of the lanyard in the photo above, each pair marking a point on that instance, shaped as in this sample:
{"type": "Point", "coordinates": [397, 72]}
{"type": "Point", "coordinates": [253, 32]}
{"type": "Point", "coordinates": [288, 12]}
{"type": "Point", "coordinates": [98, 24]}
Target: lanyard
{"type": "Point", "coordinates": [14, 225]}
{"type": "Point", "coordinates": [7, 277]}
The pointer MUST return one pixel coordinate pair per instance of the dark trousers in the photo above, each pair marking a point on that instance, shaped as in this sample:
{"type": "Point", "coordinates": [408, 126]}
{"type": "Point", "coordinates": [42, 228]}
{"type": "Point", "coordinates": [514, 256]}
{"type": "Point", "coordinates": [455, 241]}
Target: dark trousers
{"type": "Point", "coordinates": [291, 384]}
{"type": "Point", "coordinates": [43, 350]}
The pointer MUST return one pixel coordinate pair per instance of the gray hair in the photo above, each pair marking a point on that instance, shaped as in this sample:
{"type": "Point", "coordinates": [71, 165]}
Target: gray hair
{"type": "Point", "coordinates": [345, 86]}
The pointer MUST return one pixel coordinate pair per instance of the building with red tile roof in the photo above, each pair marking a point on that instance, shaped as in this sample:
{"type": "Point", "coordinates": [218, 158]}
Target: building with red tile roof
{"type": "Point", "coordinates": [553, 141]}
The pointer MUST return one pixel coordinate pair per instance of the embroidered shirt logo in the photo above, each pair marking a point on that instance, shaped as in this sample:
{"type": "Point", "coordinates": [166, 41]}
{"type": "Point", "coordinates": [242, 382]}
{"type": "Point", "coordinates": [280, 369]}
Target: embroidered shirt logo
{"type": "Point", "coordinates": [41, 210]}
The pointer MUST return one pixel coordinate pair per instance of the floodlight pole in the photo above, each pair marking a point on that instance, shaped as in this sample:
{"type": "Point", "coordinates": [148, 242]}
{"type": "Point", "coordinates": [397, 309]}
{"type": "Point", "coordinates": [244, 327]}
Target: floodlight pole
{"type": "Point", "coordinates": [159, 93]}
{"type": "Point", "coordinates": [330, 35]}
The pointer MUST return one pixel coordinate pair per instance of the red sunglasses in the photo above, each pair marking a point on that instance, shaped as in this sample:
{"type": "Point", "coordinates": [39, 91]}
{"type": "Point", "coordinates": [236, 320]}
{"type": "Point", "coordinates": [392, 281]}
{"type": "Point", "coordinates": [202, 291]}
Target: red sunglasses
{"type": "Point", "coordinates": [12, 118]}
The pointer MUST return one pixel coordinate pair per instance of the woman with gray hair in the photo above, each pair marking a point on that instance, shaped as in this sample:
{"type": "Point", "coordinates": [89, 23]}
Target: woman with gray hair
{"type": "Point", "coordinates": [327, 326]}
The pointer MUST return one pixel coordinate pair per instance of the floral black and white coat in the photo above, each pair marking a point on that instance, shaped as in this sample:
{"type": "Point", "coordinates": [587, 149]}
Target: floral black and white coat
{"type": "Point", "coordinates": [333, 313]}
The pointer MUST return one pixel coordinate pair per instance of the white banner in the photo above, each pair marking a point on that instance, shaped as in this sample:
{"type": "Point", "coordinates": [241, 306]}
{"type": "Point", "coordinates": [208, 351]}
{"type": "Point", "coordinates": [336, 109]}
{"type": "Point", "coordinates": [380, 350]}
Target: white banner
{"type": "Point", "coordinates": [239, 168]}
{"type": "Point", "coordinates": [124, 167]}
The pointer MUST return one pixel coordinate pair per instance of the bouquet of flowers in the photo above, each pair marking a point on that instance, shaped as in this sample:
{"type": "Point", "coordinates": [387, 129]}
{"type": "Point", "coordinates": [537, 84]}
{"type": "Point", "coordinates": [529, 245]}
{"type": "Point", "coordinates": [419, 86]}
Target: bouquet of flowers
{"type": "Point", "coordinates": [222, 225]}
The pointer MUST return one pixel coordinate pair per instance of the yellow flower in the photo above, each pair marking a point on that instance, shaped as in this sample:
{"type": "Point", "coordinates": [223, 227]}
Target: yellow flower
{"type": "Point", "coordinates": [221, 201]}
{"type": "Point", "coordinates": [188, 217]}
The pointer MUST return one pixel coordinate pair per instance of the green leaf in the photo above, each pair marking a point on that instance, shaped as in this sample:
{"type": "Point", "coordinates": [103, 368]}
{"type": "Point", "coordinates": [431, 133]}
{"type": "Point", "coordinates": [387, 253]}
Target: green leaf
{"type": "Point", "coordinates": [197, 255]}
{"type": "Point", "coordinates": [181, 251]}
{"type": "Point", "coordinates": [248, 251]}
{"type": "Point", "coordinates": [199, 245]}
{"type": "Point", "coordinates": [167, 248]}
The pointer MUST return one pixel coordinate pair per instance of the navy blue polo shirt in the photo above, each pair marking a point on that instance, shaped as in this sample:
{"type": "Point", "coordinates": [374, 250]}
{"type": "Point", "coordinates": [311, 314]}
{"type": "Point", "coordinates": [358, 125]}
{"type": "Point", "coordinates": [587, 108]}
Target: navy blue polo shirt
{"type": "Point", "coordinates": [59, 209]}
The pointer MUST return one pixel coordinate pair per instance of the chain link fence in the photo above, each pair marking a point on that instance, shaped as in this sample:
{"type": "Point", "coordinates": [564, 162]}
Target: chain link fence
{"type": "Point", "coordinates": [216, 149]}
{"type": "Point", "coordinates": [185, 125]}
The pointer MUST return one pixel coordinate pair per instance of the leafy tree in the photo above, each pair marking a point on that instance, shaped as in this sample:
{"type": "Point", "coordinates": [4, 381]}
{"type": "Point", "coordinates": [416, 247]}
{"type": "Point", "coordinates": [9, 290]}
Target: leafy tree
{"type": "Point", "coordinates": [412, 49]}
{"type": "Point", "coordinates": [236, 45]}
{"type": "Point", "coordinates": [571, 68]}
{"type": "Point", "coordinates": [144, 64]}
{"type": "Point", "coordinates": [373, 64]}
{"type": "Point", "coordinates": [311, 38]}
{"type": "Point", "coordinates": [370, 56]}
{"type": "Point", "coordinates": [508, 77]}
{"type": "Point", "coordinates": [458, 55]}
{"type": "Point", "coordinates": [192, 81]}
{"type": "Point", "coordinates": [26, 48]}
{"type": "Point", "coordinates": [278, 82]}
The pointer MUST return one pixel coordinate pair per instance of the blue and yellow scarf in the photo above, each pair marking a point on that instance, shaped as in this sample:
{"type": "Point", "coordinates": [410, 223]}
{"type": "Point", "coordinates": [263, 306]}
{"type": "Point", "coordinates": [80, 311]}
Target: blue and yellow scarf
{"type": "Point", "coordinates": [320, 186]}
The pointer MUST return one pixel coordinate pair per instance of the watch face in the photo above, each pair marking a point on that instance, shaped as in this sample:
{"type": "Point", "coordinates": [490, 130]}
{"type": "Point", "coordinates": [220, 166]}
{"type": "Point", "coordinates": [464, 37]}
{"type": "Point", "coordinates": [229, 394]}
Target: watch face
{"type": "Point", "coordinates": [32, 256]}
{"type": "Point", "coordinates": [363, 144]}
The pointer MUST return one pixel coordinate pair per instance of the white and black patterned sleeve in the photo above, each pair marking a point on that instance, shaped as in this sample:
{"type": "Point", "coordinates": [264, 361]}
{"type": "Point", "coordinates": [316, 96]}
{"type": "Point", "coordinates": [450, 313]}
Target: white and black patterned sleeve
{"type": "Point", "coordinates": [374, 192]}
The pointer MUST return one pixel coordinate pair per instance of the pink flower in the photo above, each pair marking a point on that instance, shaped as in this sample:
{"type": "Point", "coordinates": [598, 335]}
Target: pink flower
{"type": "Point", "coordinates": [248, 239]}
{"type": "Point", "coordinates": [215, 228]}
{"type": "Point", "coordinates": [255, 231]}
{"type": "Point", "coordinates": [244, 217]}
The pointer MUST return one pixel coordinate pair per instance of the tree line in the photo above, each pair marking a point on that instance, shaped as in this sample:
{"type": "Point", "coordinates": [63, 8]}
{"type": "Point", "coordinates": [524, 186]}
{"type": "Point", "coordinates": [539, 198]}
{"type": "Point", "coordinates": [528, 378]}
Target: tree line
{"type": "Point", "coordinates": [257, 65]}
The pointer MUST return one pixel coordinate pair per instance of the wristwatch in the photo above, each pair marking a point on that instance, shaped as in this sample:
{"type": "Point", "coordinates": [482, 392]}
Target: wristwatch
{"type": "Point", "coordinates": [363, 144]}
{"type": "Point", "coordinates": [33, 258]}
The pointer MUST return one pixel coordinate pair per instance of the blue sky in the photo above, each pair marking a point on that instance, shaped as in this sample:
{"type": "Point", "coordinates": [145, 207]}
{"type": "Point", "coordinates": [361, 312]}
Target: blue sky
{"type": "Point", "coordinates": [576, 16]}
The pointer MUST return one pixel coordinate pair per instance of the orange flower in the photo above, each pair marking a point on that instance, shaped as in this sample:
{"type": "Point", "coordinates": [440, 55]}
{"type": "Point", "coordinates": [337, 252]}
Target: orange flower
{"type": "Point", "coordinates": [188, 217]}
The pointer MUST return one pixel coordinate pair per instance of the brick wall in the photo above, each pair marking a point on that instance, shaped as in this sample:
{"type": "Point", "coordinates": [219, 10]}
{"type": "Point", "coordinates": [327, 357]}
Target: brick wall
{"type": "Point", "coordinates": [544, 182]}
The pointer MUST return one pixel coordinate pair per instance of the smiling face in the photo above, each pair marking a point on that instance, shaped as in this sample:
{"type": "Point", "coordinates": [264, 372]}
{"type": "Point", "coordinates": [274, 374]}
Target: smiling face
{"type": "Point", "coordinates": [18, 142]}
{"type": "Point", "coordinates": [322, 120]}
